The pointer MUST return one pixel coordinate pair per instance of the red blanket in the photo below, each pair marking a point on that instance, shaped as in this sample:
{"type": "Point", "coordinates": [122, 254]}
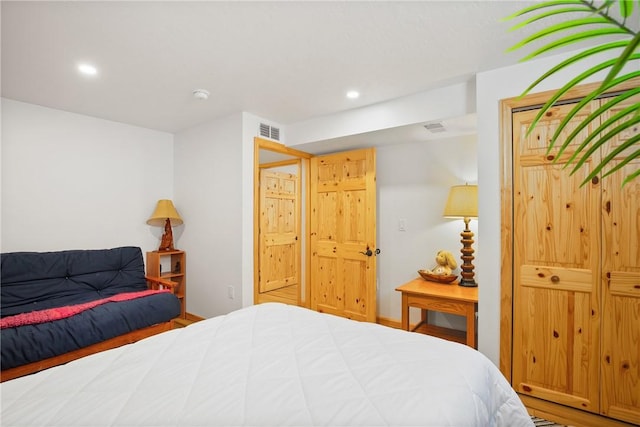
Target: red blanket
{"type": "Point", "coordinates": [51, 314]}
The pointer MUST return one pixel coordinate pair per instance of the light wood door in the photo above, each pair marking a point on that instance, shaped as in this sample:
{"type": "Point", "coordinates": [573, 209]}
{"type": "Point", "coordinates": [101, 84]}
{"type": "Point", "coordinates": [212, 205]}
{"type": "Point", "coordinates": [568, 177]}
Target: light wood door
{"type": "Point", "coordinates": [556, 308]}
{"type": "Point", "coordinates": [621, 288]}
{"type": "Point", "coordinates": [279, 272]}
{"type": "Point", "coordinates": [343, 234]}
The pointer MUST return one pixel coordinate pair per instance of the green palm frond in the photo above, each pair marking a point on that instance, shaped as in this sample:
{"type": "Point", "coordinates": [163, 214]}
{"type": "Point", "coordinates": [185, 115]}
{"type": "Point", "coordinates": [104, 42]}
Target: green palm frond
{"type": "Point", "coordinates": [633, 156]}
{"type": "Point", "coordinates": [592, 21]}
{"type": "Point", "coordinates": [623, 59]}
{"type": "Point", "coordinates": [631, 177]}
{"type": "Point", "coordinates": [627, 144]}
{"type": "Point", "coordinates": [591, 118]}
{"type": "Point", "coordinates": [547, 14]}
{"type": "Point", "coordinates": [616, 130]}
{"type": "Point", "coordinates": [543, 5]}
{"type": "Point", "coordinates": [579, 56]}
{"type": "Point", "coordinates": [564, 89]}
{"type": "Point", "coordinates": [573, 39]}
{"type": "Point", "coordinates": [563, 26]}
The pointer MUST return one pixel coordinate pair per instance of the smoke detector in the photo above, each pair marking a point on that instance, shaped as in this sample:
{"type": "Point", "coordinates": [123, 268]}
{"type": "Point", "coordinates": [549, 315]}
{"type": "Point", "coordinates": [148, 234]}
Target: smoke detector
{"type": "Point", "coordinates": [201, 94]}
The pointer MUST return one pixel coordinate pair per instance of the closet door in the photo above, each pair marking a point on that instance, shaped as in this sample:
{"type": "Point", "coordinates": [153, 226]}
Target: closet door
{"type": "Point", "coordinates": [556, 296]}
{"type": "Point", "coordinates": [621, 288]}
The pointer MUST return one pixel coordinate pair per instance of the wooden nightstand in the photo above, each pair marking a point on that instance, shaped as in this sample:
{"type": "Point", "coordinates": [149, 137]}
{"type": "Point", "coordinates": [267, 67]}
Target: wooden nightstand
{"type": "Point", "coordinates": [175, 270]}
{"type": "Point", "coordinates": [452, 299]}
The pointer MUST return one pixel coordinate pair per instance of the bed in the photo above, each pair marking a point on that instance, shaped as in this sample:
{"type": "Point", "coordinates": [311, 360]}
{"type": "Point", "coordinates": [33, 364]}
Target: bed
{"type": "Point", "coordinates": [271, 365]}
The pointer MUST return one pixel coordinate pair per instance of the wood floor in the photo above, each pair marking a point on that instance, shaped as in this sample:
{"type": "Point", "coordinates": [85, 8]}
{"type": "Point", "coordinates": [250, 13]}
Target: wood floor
{"type": "Point", "coordinates": [189, 318]}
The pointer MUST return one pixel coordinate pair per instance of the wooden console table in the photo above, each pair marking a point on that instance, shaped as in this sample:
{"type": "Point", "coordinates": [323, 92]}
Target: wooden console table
{"type": "Point", "coordinates": [451, 298]}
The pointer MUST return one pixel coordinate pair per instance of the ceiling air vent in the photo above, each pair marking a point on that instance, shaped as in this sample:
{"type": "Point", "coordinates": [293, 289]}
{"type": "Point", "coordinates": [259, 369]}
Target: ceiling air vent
{"type": "Point", "coordinates": [264, 130]}
{"type": "Point", "coordinates": [275, 133]}
{"type": "Point", "coordinates": [269, 132]}
{"type": "Point", "coordinates": [435, 127]}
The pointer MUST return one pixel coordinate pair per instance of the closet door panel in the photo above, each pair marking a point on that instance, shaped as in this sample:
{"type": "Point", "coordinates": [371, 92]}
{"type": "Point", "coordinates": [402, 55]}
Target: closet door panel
{"type": "Point", "coordinates": [621, 284]}
{"type": "Point", "coordinates": [556, 271]}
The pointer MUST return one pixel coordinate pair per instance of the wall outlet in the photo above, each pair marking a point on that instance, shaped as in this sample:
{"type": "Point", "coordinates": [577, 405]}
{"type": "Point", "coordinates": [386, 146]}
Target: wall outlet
{"type": "Point", "coordinates": [402, 224]}
{"type": "Point", "coordinates": [231, 292]}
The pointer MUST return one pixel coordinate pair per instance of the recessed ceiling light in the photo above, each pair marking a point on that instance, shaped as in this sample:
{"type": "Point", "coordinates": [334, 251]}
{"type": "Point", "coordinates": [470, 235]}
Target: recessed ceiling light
{"type": "Point", "coordinates": [87, 69]}
{"type": "Point", "coordinates": [353, 94]}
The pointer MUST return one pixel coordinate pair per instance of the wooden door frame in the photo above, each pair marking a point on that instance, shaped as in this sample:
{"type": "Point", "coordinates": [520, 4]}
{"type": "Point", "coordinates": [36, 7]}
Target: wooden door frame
{"type": "Point", "coordinates": [506, 202]}
{"type": "Point", "coordinates": [300, 156]}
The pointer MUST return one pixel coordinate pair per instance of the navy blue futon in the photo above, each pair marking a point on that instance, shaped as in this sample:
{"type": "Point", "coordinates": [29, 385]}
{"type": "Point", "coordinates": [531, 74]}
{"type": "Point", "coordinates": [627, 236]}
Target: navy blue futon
{"type": "Point", "coordinates": [41, 283]}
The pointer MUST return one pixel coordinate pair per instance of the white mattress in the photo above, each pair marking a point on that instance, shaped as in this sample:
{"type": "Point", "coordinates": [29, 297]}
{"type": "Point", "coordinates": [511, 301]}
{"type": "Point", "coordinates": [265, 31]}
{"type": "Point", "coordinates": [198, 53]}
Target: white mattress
{"type": "Point", "coordinates": [271, 365]}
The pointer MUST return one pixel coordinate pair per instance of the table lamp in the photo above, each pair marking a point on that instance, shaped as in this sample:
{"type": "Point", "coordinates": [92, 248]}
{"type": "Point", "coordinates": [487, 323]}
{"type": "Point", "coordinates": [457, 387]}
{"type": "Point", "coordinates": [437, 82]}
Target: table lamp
{"type": "Point", "coordinates": [463, 203]}
{"type": "Point", "coordinates": [167, 215]}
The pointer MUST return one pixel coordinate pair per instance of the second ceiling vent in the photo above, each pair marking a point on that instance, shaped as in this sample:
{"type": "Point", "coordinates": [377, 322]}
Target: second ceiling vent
{"type": "Point", "coordinates": [435, 127]}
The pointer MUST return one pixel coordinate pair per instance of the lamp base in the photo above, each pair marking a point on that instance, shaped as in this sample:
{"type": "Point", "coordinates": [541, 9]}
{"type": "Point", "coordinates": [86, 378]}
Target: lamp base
{"type": "Point", "coordinates": [166, 244]}
{"type": "Point", "coordinates": [468, 283]}
{"type": "Point", "coordinates": [467, 266]}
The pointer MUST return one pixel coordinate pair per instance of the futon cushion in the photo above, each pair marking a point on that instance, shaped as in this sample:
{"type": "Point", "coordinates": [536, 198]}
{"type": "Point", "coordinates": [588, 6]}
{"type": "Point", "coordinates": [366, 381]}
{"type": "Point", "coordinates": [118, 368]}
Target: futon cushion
{"type": "Point", "coordinates": [29, 343]}
{"type": "Point", "coordinates": [40, 280]}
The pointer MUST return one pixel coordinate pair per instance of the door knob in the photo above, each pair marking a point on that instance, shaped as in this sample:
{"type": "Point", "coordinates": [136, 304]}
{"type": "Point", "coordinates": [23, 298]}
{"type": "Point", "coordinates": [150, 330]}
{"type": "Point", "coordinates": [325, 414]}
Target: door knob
{"type": "Point", "coordinates": [369, 252]}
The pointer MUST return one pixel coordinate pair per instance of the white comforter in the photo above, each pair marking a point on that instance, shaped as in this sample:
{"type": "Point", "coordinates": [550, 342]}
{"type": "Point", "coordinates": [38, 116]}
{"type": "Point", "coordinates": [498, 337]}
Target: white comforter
{"type": "Point", "coordinates": [271, 365]}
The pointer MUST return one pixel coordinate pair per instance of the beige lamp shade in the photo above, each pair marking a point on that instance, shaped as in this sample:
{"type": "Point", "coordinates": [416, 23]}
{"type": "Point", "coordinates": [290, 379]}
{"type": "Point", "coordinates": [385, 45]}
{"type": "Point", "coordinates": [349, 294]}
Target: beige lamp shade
{"type": "Point", "coordinates": [165, 210]}
{"type": "Point", "coordinates": [462, 202]}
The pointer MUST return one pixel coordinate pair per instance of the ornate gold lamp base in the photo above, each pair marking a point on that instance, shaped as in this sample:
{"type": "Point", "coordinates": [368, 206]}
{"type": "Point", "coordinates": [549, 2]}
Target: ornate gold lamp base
{"type": "Point", "coordinates": [467, 256]}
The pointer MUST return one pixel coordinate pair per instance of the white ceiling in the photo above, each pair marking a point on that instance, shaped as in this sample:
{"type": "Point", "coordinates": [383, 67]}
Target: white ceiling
{"type": "Point", "coordinates": [282, 61]}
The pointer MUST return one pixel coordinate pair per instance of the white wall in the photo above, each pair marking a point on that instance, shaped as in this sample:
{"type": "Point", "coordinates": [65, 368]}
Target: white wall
{"type": "Point", "coordinates": [442, 103]}
{"type": "Point", "coordinates": [208, 195]}
{"type": "Point", "coordinates": [77, 182]}
{"type": "Point", "coordinates": [493, 86]}
{"type": "Point", "coordinates": [413, 182]}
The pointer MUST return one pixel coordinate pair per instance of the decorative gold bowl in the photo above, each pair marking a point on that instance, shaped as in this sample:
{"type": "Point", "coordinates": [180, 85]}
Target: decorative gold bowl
{"type": "Point", "coordinates": [439, 278]}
